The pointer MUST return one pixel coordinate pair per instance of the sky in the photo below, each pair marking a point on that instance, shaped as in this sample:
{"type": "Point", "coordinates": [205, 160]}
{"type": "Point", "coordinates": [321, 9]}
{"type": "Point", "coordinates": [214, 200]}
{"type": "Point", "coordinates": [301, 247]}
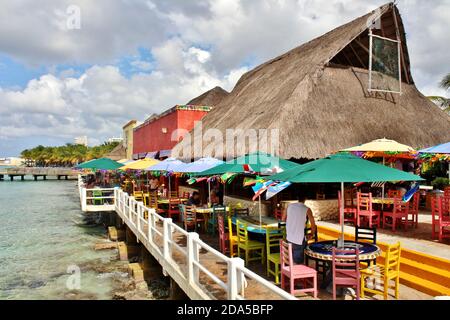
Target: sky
{"type": "Point", "coordinates": [71, 68]}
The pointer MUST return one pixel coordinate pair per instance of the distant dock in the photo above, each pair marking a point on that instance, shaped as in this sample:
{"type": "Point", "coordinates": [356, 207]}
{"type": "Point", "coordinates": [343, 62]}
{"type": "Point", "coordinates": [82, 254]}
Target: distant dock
{"type": "Point", "coordinates": [37, 173]}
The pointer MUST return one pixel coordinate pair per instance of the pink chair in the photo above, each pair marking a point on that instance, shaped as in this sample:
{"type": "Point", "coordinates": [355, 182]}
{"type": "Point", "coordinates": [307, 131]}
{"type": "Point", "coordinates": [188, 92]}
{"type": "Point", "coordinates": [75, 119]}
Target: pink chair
{"type": "Point", "coordinates": [223, 235]}
{"type": "Point", "coordinates": [414, 210]}
{"type": "Point", "coordinates": [346, 270]}
{"type": "Point", "coordinates": [398, 215]}
{"type": "Point", "coordinates": [365, 210]}
{"type": "Point", "coordinates": [296, 271]}
{"type": "Point", "coordinates": [349, 209]}
{"type": "Point", "coordinates": [438, 219]}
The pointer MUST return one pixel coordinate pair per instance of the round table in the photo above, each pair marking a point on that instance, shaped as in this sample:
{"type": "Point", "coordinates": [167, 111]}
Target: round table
{"type": "Point", "coordinates": [322, 254]}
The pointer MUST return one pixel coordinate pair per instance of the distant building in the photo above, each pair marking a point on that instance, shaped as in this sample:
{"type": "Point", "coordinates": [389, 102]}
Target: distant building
{"type": "Point", "coordinates": [11, 161]}
{"type": "Point", "coordinates": [128, 138]}
{"type": "Point", "coordinates": [113, 140]}
{"type": "Point", "coordinates": [83, 140]}
{"type": "Point", "coordinates": [154, 136]}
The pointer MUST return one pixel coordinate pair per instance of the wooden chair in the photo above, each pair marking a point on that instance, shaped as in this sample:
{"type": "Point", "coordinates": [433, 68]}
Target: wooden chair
{"type": "Point", "coordinates": [174, 208]}
{"type": "Point", "coordinates": [181, 208]}
{"type": "Point", "coordinates": [186, 195]}
{"type": "Point", "coordinates": [173, 194]}
{"type": "Point", "coordinates": [241, 212]}
{"type": "Point", "coordinates": [212, 221]}
{"type": "Point", "coordinates": [153, 203]}
{"type": "Point", "coordinates": [296, 272]}
{"type": "Point", "coordinates": [224, 237]}
{"type": "Point", "coordinates": [385, 273]}
{"type": "Point", "coordinates": [247, 245]}
{"type": "Point", "coordinates": [345, 270]}
{"type": "Point", "coordinates": [350, 210]}
{"type": "Point", "coordinates": [232, 237]}
{"type": "Point", "coordinates": [368, 235]}
{"type": "Point", "coordinates": [273, 237]}
{"type": "Point", "coordinates": [438, 219]}
{"type": "Point", "coordinates": [394, 193]}
{"type": "Point", "coordinates": [138, 196]}
{"type": "Point", "coordinates": [398, 215]}
{"type": "Point", "coordinates": [190, 218]}
{"type": "Point", "coordinates": [365, 210]}
{"type": "Point", "coordinates": [413, 211]}
{"type": "Point", "coordinates": [277, 213]}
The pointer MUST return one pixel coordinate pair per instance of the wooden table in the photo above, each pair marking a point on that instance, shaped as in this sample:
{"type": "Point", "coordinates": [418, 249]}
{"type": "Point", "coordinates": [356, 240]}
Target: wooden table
{"type": "Point", "coordinates": [208, 210]}
{"type": "Point", "coordinates": [166, 201]}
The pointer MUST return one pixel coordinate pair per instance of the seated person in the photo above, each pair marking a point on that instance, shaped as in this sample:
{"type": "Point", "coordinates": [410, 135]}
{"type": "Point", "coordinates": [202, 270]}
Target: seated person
{"type": "Point", "coordinates": [154, 184]}
{"type": "Point", "coordinates": [214, 199]}
{"type": "Point", "coordinates": [194, 200]}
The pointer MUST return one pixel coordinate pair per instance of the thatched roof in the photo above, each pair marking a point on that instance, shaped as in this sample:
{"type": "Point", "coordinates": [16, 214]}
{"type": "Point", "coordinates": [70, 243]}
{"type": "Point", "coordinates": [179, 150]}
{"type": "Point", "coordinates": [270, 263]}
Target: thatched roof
{"type": "Point", "coordinates": [210, 98]}
{"type": "Point", "coordinates": [118, 153]}
{"type": "Point", "coordinates": [316, 96]}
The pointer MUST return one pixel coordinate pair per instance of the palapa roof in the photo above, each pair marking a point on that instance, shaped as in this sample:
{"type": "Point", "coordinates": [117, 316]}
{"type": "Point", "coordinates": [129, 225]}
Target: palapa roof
{"type": "Point", "coordinates": [118, 153]}
{"type": "Point", "coordinates": [316, 96]}
{"type": "Point", "coordinates": [210, 98]}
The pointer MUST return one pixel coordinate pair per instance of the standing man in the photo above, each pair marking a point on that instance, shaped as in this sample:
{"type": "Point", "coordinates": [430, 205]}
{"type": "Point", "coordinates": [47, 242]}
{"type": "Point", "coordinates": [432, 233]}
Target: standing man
{"type": "Point", "coordinates": [296, 217]}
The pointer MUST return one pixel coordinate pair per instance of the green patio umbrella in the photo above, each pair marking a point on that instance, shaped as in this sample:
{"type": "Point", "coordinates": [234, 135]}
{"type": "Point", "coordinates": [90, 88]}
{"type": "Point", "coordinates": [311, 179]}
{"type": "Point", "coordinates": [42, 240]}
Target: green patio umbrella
{"type": "Point", "coordinates": [342, 168]}
{"type": "Point", "coordinates": [100, 164]}
{"type": "Point", "coordinates": [258, 162]}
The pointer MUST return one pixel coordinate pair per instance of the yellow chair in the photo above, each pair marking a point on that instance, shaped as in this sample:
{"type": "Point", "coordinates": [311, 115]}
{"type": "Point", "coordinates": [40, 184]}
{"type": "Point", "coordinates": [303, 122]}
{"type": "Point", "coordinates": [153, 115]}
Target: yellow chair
{"type": "Point", "coordinates": [247, 245]}
{"type": "Point", "coordinates": [273, 237]}
{"type": "Point", "coordinates": [389, 271]}
{"type": "Point", "coordinates": [233, 238]}
{"type": "Point", "coordinates": [138, 196]}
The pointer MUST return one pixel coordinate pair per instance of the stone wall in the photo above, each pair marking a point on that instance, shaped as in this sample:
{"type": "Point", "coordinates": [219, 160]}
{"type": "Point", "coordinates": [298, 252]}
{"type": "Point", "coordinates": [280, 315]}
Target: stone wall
{"type": "Point", "coordinates": [248, 203]}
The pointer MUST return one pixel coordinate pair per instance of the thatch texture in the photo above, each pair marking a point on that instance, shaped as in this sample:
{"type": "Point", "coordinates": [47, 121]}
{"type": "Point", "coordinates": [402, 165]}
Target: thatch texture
{"type": "Point", "coordinates": [320, 105]}
{"type": "Point", "coordinates": [210, 98]}
{"type": "Point", "coordinates": [118, 153]}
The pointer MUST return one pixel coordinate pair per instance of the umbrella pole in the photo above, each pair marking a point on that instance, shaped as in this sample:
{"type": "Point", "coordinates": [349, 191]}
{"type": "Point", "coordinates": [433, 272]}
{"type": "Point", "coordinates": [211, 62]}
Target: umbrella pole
{"type": "Point", "coordinates": [209, 192]}
{"type": "Point", "coordinates": [260, 215]}
{"type": "Point", "coordinates": [169, 188]}
{"type": "Point", "coordinates": [341, 212]}
{"type": "Point", "coordinates": [382, 190]}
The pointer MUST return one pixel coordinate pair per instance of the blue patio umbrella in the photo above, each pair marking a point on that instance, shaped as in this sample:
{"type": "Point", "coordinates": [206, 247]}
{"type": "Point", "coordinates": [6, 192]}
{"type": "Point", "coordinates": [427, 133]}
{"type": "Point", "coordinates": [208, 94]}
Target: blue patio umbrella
{"type": "Point", "coordinates": [443, 148]}
{"type": "Point", "coordinates": [169, 165]}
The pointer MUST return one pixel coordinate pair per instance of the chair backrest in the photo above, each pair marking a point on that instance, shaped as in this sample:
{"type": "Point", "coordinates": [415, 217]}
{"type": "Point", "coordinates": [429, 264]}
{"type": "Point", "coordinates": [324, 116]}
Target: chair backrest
{"type": "Point", "coordinates": [273, 237]}
{"type": "Point", "coordinates": [345, 259]}
{"type": "Point", "coordinates": [364, 201]}
{"type": "Point", "coordinates": [394, 193]}
{"type": "Point", "coordinates": [400, 206]}
{"type": "Point", "coordinates": [173, 194]}
{"type": "Point", "coordinates": [221, 226]}
{"type": "Point", "coordinates": [349, 194]}
{"type": "Point", "coordinates": [365, 234]}
{"type": "Point", "coordinates": [241, 211]}
{"type": "Point", "coordinates": [392, 259]}
{"type": "Point", "coordinates": [241, 232]}
{"type": "Point", "coordinates": [190, 214]}
{"type": "Point", "coordinates": [153, 201]}
{"type": "Point", "coordinates": [277, 213]}
{"type": "Point", "coordinates": [320, 196]}
{"type": "Point", "coordinates": [174, 204]}
{"type": "Point", "coordinates": [286, 259]}
{"type": "Point", "coordinates": [414, 202]}
{"type": "Point", "coordinates": [230, 226]}
{"type": "Point", "coordinates": [436, 208]}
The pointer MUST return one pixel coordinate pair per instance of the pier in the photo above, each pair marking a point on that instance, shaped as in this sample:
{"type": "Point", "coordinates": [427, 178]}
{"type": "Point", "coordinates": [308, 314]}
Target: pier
{"type": "Point", "coordinates": [37, 173]}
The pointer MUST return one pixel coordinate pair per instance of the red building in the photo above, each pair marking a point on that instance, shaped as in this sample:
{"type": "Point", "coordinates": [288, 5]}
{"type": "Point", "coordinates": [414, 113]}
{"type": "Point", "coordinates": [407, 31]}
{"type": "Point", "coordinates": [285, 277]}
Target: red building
{"type": "Point", "coordinates": [155, 134]}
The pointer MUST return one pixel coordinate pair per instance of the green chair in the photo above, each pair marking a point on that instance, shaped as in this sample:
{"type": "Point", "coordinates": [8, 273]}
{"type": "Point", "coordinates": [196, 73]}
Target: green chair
{"type": "Point", "coordinates": [247, 245]}
{"type": "Point", "coordinates": [97, 195]}
{"type": "Point", "coordinates": [212, 221]}
{"type": "Point", "coordinates": [273, 237]}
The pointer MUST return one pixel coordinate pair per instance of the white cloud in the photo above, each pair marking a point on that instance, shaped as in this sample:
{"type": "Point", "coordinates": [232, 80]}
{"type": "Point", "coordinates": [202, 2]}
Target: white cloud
{"type": "Point", "coordinates": [195, 45]}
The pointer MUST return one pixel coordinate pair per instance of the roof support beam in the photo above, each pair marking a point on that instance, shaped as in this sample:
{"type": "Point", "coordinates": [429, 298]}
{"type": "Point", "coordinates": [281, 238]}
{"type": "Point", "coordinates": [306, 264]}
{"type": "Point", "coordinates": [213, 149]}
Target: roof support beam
{"type": "Point", "coordinates": [357, 55]}
{"type": "Point", "coordinates": [405, 70]}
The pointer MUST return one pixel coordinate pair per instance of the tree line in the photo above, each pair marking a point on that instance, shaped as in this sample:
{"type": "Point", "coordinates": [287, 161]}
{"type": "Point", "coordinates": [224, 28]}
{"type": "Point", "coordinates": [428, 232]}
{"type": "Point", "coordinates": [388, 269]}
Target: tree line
{"type": "Point", "coordinates": [65, 156]}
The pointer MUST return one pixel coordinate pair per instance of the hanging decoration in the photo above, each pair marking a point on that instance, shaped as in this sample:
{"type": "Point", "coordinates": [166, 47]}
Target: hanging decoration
{"type": "Point", "coordinates": [277, 188]}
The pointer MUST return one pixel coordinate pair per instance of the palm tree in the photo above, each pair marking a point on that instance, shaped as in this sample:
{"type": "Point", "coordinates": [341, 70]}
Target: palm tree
{"type": "Point", "coordinates": [443, 102]}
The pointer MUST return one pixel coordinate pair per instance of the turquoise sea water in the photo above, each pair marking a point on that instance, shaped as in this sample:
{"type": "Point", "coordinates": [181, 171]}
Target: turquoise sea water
{"type": "Point", "coordinates": [43, 233]}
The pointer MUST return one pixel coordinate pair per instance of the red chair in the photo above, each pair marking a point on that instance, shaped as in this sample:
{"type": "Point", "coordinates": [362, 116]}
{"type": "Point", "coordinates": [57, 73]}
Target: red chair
{"type": "Point", "coordinates": [174, 208]}
{"type": "Point", "coordinates": [394, 194]}
{"type": "Point", "coordinates": [349, 209]}
{"type": "Point", "coordinates": [438, 219]}
{"type": "Point", "coordinates": [223, 235]}
{"type": "Point", "coordinates": [398, 215]}
{"type": "Point", "coordinates": [278, 214]}
{"type": "Point", "coordinates": [346, 270]}
{"type": "Point", "coordinates": [296, 271]}
{"type": "Point", "coordinates": [365, 210]}
{"type": "Point", "coordinates": [186, 195]}
{"type": "Point", "coordinates": [414, 210]}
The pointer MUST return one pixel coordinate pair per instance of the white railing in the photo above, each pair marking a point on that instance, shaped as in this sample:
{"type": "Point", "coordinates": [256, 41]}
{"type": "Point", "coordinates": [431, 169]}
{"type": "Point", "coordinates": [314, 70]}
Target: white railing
{"type": "Point", "coordinates": [184, 263]}
{"type": "Point", "coordinates": [96, 200]}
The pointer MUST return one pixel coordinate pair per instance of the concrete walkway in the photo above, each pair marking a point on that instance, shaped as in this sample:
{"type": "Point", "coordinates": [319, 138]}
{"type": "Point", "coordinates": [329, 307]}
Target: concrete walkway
{"type": "Point", "coordinates": [415, 239]}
